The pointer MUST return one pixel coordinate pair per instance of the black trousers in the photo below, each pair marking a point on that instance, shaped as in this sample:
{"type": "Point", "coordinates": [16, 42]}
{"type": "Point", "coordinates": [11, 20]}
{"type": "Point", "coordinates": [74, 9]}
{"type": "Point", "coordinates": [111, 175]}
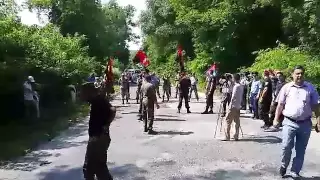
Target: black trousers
{"type": "Point", "coordinates": [185, 96]}
{"type": "Point", "coordinates": [95, 164]}
{"type": "Point", "coordinates": [244, 99]}
{"type": "Point", "coordinates": [264, 109]}
{"type": "Point", "coordinates": [209, 101]}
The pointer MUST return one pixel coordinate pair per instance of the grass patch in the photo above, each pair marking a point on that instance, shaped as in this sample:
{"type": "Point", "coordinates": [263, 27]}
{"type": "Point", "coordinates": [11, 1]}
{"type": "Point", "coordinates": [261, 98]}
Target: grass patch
{"type": "Point", "coordinates": [19, 137]}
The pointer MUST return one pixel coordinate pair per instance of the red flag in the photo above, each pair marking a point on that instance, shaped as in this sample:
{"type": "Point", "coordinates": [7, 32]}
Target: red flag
{"type": "Point", "coordinates": [109, 71]}
{"type": "Point", "coordinates": [141, 58]}
{"type": "Point", "coordinates": [179, 51]}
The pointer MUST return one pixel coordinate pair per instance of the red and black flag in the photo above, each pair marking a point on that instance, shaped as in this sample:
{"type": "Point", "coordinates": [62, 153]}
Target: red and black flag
{"type": "Point", "coordinates": [179, 57]}
{"type": "Point", "coordinates": [142, 58]}
{"type": "Point", "coordinates": [214, 68]}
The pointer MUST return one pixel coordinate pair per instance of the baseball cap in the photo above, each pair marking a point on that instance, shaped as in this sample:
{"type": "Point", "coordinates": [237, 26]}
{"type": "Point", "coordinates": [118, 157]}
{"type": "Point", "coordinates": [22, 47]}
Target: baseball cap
{"type": "Point", "coordinates": [31, 79]}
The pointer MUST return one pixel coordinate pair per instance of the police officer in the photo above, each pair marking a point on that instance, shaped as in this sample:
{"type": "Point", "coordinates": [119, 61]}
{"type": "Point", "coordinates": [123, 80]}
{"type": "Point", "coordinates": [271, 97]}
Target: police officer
{"type": "Point", "coordinates": [149, 100]}
{"type": "Point", "coordinates": [184, 84]}
{"type": "Point", "coordinates": [139, 83]}
{"type": "Point", "coordinates": [124, 86]}
{"type": "Point", "coordinates": [166, 88]}
{"type": "Point", "coordinates": [211, 87]}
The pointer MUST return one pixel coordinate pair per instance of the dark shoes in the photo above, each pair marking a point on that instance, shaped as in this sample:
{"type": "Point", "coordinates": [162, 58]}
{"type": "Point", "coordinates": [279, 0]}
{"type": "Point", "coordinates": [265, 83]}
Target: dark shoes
{"type": "Point", "coordinates": [282, 171]}
{"type": "Point", "coordinates": [188, 111]}
{"type": "Point", "coordinates": [152, 132]}
{"type": "Point", "coordinates": [207, 112]}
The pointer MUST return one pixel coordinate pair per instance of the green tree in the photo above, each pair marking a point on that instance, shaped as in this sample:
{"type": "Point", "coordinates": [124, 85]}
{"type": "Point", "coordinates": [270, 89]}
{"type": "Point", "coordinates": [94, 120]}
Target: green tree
{"type": "Point", "coordinates": [107, 27]}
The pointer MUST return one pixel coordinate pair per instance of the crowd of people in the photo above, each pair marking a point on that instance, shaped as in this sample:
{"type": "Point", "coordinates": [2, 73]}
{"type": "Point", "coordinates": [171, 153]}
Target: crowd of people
{"type": "Point", "coordinates": [280, 104]}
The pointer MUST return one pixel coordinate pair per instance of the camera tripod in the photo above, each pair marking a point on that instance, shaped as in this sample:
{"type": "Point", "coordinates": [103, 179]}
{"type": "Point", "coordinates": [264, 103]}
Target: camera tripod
{"type": "Point", "coordinates": [219, 118]}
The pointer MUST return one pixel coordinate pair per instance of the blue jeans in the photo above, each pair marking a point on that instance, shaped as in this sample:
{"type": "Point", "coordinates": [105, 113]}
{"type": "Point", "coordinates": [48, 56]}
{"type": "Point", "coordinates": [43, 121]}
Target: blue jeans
{"type": "Point", "coordinates": [254, 103]}
{"type": "Point", "coordinates": [295, 135]}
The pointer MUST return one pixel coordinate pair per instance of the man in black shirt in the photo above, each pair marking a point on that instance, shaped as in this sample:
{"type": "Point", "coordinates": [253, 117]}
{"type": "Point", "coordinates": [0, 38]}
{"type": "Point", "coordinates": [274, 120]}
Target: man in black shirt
{"type": "Point", "coordinates": [184, 84]}
{"type": "Point", "coordinates": [265, 99]}
{"type": "Point", "coordinates": [101, 115]}
{"type": "Point", "coordinates": [280, 83]}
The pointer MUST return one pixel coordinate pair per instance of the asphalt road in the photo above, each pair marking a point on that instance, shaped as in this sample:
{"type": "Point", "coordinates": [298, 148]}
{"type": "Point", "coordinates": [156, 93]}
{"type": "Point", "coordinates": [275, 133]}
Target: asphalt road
{"type": "Point", "coordinates": [184, 149]}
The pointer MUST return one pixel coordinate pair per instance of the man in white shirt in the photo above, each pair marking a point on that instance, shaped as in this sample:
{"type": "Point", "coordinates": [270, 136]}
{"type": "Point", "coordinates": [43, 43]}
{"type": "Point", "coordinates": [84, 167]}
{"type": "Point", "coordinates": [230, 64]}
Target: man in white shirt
{"type": "Point", "coordinates": [234, 109]}
{"type": "Point", "coordinates": [194, 88]}
{"type": "Point", "coordinates": [31, 98]}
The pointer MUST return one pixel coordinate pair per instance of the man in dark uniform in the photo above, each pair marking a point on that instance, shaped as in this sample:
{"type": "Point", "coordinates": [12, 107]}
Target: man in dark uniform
{"type": "Point", "coordinates": [265, 99]}
{"type": "Point", "coordinates": [101, 115]}
{"type": "Point", "coordinates": [149, 100]}
{"type": "Point", "coordinates": [211, 87]}
{"type": "Point", "coordinates": [139, 83]}
{"type": "Point", "coordinates": [177, 84]}
{"type": "Point", "coordinates": [166, 88]}
{"type": "Point", "coordinates": [184, 84]}
{"type": "Point", "coordinates": [124, 86]}
{"type": "Point", "coordinates": [280, 83]}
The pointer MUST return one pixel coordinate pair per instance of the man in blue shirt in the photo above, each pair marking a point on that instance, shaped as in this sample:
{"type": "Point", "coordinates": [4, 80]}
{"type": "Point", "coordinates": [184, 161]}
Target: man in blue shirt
{"type": "Point", "coordinates": [156, 82]}
{"type": "Point", "coordinates": [254, 90]}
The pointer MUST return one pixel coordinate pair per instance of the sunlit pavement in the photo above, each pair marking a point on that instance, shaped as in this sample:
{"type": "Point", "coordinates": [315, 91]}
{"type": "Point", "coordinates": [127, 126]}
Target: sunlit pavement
{"type": "Point", "coordinates": [184, 149]}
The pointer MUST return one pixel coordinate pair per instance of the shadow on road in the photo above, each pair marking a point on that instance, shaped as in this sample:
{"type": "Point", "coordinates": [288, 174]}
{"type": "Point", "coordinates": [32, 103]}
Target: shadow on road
{"type": "Point", "coordinates": [166, 115]}
{"type": "Point", "coordinates": [174, 133]}
{"type": "Point", "coordinates": [40, 156]}
{"type": "Point", "coordinates": [221, 174]}
{"type": "Point", "coordinates": [168, 119]}
{"type": "Point", "coordinates": [127, 171]}
{"type": "Point", "coordinates": [262, 139]}
{"type": "Point", "coordinates": [30, 162]}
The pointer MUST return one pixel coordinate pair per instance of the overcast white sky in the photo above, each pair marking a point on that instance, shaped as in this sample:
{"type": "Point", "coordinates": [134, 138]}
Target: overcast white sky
{"type": "Point", "coordinates": [30, 18]}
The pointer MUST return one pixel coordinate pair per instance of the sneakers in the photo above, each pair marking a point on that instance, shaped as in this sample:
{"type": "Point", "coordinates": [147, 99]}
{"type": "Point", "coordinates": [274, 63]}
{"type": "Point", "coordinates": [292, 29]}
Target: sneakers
{"type": "Point", "coordinates": [210, 112]}
{"type": "Point", "coordinates": [152, 132]}
{"type": "Point", "coordinates": [295, 176]}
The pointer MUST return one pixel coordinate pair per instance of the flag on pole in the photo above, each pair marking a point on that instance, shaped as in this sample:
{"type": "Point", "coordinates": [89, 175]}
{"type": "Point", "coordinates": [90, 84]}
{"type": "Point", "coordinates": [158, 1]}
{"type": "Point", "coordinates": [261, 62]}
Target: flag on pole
{"type": "Point", "coordinates": [179, 57]}
{"type": "Point", "coordinates": [141, 58]}
{"type": "Point", "coordinates": [109, 71]}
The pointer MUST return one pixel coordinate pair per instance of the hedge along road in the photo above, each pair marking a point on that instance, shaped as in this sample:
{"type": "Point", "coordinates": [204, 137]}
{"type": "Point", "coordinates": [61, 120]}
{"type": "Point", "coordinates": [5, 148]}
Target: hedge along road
{"type": "Point", "coordinates": [184, 149]}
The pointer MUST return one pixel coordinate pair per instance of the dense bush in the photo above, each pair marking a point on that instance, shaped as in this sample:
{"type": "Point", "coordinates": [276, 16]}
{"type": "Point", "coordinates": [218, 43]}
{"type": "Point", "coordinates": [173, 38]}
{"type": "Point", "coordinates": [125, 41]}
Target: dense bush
{"type": "Point", "coordinates": [285, 58]}
{"type": "Point", "coordinates": [78, 40]}
{"type": "Point", "coordinates": [55, 61]}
